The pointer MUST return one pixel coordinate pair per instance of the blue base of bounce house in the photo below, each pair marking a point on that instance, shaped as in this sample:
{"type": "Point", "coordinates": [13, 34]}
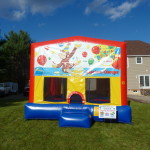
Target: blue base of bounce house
{"type": "Point", "coordinates": [73, 115]}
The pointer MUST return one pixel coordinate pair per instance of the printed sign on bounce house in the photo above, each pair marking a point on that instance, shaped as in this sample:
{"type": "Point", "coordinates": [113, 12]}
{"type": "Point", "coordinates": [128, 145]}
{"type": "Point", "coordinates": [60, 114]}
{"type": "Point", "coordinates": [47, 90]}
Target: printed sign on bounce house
{"type": "Point", "coordinates": [77, 59]}
{"type": "Point", "coordinates": [107, 112]}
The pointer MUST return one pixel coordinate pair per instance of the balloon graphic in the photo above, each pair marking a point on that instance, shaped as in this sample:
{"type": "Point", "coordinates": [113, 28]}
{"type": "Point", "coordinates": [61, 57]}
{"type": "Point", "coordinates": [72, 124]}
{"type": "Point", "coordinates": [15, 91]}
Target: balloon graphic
{"type": "Point", "coordinates": [61, 44]}
{"type": "Point", "coordinates": [110, 47]}
{"type": "Point", "coordinates": [41, 60]}
{"type": "Point", "coordinates": [96, 49]}
{"type": "Point", "coordinates": [90, 61]}
{"type": "Point", "coordinates": [116, 64]}
{"type": "Point", "coordinates": [98, 57]}
{"type": "Point", "coordinates": [84, 54]}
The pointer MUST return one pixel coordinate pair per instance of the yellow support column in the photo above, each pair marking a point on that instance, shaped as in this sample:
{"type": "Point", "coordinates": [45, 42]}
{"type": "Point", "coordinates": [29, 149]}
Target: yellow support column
{"type": "Point", "coordinates": [38, 89]}
{"type": "Point", "coordinates": [115, 91]}
{"type": "Point", "coordinates": [76, 85]}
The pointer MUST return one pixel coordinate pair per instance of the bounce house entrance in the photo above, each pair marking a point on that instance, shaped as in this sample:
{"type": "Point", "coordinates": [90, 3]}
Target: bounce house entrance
{"type": "Point", "coordinates": [55, 89]}
{"type": "Point", "coordinates": [98, 90]}
{"type": "Point", "coordinates": [76, 98]}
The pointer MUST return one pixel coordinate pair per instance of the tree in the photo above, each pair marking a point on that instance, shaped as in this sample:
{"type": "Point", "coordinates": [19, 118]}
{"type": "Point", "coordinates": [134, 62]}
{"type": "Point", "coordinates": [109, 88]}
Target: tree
{"type": "Point", "coordinates": [16, 53]}
{"type": "Point", "coordinates": [2, 60]}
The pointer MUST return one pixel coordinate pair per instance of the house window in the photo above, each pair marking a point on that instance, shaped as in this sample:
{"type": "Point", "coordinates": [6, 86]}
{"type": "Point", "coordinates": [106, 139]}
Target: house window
{"type": "Point", "coordinates": [138, 60]}
{"type": "Point", "coordinates": [145, 81]}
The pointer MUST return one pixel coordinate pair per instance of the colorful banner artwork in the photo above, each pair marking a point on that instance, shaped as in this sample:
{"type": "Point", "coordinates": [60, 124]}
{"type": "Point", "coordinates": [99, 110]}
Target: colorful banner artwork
{"type": "Point", "coordinates": [108, 112]}
{"type": "Point", "coordinates": [77, 59]}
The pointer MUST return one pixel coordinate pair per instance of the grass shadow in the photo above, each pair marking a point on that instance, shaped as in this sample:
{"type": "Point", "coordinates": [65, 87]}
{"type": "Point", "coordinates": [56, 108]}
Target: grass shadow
{"type": "Point", "coordinates": [12, 100]}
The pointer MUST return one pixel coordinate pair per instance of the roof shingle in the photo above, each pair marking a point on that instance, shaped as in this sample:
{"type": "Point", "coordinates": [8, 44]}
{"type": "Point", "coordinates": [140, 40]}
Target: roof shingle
{"type": "Point", "coordinates": [138, 48]}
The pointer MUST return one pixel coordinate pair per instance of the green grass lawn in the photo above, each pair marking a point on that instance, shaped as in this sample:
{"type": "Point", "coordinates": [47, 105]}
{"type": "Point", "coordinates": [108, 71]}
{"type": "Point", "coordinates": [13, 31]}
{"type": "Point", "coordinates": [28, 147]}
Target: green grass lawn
{"type": "Point", "coordinates": [18, 134]}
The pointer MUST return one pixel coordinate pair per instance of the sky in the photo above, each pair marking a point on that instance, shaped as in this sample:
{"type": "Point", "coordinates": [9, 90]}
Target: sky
{"type": "Point", "coordinates": [45, 20]}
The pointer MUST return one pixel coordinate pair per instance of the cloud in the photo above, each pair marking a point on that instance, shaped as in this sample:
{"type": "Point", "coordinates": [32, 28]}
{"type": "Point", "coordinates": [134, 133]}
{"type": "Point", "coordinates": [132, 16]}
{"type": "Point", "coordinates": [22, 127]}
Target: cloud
{"type": "Point", "coordinates": [46, 6]}
{"type": "Point", "coordinates": [109, 9]}
{"type": "Point", "coordinates": [41, 25]}
{"type": "Point", "coordinates": [121, 10]}
{"type": "Point", "coordinates": [17, 9]}
{"type": "Point", "coordinates": [13, 9]}
{"type": "Point", "coordinates": [17, 15]}
{"type": "Point", "coordinates": [98, 24]}
{"type": "Point", "coordinates": [95, 5]}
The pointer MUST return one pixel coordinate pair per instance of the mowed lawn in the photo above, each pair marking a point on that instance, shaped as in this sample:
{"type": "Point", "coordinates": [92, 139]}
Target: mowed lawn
{"type": "Point", "coordinates": [19, 134]}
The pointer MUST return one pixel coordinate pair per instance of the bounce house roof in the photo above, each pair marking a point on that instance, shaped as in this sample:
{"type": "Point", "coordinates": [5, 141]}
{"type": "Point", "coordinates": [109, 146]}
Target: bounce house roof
{"type": "Point", "coordinates": [79, 38]}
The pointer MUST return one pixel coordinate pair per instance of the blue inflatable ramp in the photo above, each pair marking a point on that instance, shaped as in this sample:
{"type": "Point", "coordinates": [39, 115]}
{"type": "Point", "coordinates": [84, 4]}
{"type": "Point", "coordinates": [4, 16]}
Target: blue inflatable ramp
{"type": "Point", "coordinates": [75, 118]}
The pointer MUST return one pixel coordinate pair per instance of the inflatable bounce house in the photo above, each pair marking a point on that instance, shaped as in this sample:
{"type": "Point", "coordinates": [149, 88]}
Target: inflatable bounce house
{"type": "Point", "coordinates": [78, 80]}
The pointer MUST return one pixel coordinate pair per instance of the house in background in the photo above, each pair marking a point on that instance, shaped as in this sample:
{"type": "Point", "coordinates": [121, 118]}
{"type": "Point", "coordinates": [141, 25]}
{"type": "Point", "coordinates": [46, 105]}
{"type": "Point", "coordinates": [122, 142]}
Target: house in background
{"type": "Point", "coordinates": [138, 66]}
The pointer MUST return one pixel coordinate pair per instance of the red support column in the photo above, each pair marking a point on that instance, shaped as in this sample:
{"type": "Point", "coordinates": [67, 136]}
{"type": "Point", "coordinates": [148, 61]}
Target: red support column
{"type": "Point", "coordinates": [31, 94]}
{"type": "Point", "coordinates": [124, 75]}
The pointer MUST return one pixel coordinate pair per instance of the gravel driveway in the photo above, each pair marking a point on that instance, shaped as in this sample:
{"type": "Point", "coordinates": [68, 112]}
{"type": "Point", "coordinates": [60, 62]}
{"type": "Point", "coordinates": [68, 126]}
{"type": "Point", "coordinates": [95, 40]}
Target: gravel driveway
{"type": "Point", "coordinates": [139, 98]}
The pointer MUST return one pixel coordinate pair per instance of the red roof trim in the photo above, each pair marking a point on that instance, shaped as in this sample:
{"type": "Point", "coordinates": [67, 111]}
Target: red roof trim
{"type": "Point", "coordinates": [80, 38]}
